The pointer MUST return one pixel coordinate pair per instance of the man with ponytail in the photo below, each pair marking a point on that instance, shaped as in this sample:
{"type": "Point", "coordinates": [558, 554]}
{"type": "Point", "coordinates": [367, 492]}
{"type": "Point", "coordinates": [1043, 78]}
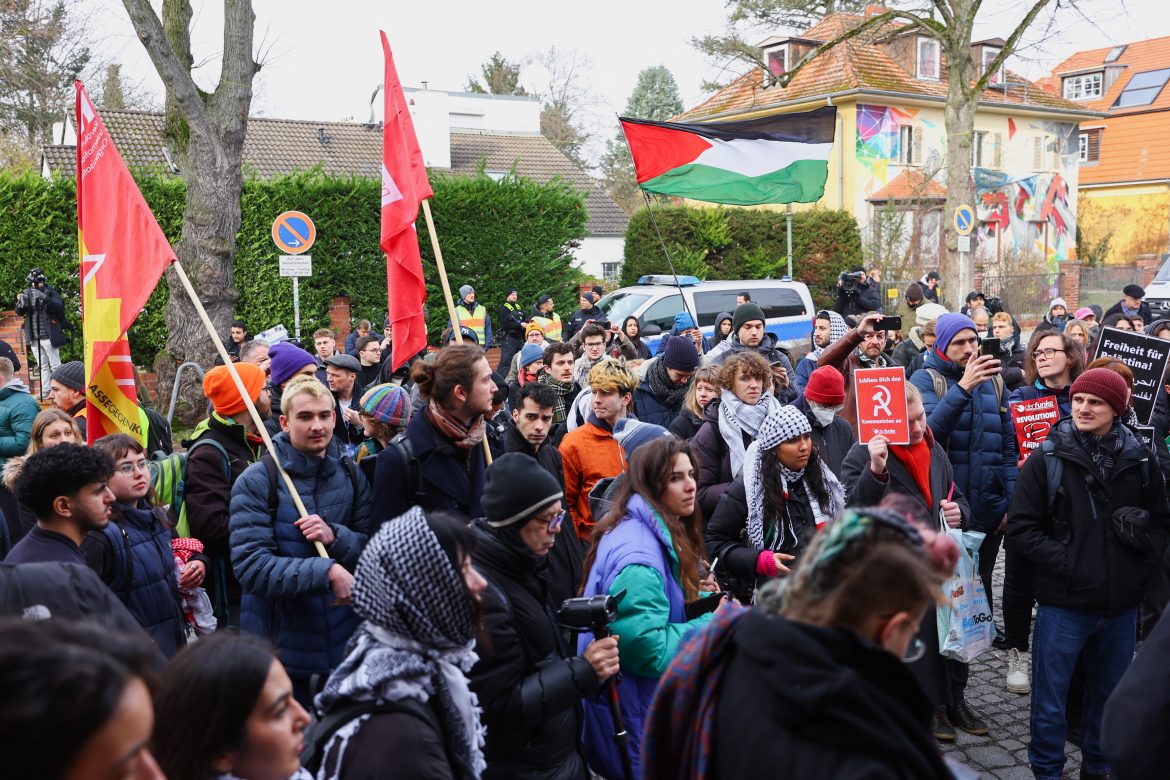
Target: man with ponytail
{"type": "Point", "coordinates": [438, 461]}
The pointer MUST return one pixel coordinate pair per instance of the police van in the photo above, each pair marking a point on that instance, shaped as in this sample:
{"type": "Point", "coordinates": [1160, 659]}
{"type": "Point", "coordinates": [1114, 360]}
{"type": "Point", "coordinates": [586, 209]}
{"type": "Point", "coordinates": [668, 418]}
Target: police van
{"type": "Point", "coordinates": [655, 299]}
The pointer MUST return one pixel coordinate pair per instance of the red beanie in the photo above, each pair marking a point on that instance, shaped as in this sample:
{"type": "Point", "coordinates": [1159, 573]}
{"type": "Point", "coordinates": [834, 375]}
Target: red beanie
{"type": "Point", "coordinates": [1106, 385]}
{"type": "Point", "coordinates": [826, 386]}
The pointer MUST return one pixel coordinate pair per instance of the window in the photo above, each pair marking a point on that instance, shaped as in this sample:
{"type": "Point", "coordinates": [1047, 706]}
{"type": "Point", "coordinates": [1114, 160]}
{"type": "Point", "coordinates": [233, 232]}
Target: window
{"type": "Point", "coordinates": [779, 302]}
{"type": "Point", "coordinates": [778, 61]}
{"type": "Point", "coordinates": [708, 305]}
{"type": "Point", "coordinates": [909, 145]}
{"type": "Point", "coordinates": [978, 149]}
{"type": "Point", "coordinates": [1115, 53]}
{"type": "Point", "coordinates": [1084, 87]}
{"type": "Point", "coordinates": [928, 59]}
{"type": "Point", "coordinates": [1038, 153]}
{"type": "Point", "coordinates": [1089, 146]}
{"type": "Point", "coordinates": [986, 150]}
{"type": "Point", "coordinates": [1083, 147]}
{"type": "Point", "coordinates": [1142, 88]}
{"type": "Point", "coordinates": [495, 175]}
{"type": "Point", "coordinates": [990, 54]}
{"type": "Point", "coordinates": [611, 272]}
{"type": "Point", "coordinates": [622, 304]}
{"type": "Point", "coordinates": [662, 311]}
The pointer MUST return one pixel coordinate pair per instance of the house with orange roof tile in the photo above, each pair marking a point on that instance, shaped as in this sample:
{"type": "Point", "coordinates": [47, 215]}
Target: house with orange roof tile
{"type": "Point", "coordinates": [890, 146]}
{"type": "Point", "coordinates": [1124, 154]}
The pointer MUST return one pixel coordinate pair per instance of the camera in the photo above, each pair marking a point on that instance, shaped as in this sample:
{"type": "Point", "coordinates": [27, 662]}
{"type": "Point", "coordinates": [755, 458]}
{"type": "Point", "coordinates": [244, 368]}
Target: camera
{"type": "Point", "coordinates": [590, 613]}
{"type": "Point", "coordinates": [849, 282]}
{"type": "Point", "coordinates": [36, 277]}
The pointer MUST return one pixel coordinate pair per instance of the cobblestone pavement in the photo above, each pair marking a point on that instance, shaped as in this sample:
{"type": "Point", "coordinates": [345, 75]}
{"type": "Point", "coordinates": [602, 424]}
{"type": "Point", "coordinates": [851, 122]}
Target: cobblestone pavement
{"type": "Point", "coordinates": [1004, 752]}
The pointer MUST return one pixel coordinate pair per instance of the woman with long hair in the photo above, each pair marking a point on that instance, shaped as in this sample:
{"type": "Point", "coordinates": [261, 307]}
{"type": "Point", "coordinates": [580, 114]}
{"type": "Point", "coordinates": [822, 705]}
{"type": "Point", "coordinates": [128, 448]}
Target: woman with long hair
{"type": "Point", "coordinates": [704, 388]}
{"type": "Point", "coordinates": [650, 546]}
{"type": "Point", "coordinates": [224, 709]}
{"type": "Point", "coordinates": [1051, 363]}
{"type": "Point", "coordinates": [774, 508]}
{"type": "Point", "coordinates": [399, 705]}
{"type": "Point", "coordinates": [731, 422]}
{"type": "Point", "coordinates": [1080, 332]}
{"type": "Point", "coordinates": [627, 342]}
{"type": "Point", "coordinates": [50, 427]}
{"type": "Point", "coordinates": [814, 679]}
{"type": "Point", "coordinates": [133, 553]}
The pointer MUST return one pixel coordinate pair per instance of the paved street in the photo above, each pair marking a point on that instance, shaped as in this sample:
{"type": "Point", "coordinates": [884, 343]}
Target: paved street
{"type": "Point", "coordinates": [1003, 753]}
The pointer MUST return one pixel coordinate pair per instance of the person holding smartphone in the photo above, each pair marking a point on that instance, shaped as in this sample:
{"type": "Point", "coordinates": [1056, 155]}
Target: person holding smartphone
{"type": "Point", "coordinates": [860, 347]}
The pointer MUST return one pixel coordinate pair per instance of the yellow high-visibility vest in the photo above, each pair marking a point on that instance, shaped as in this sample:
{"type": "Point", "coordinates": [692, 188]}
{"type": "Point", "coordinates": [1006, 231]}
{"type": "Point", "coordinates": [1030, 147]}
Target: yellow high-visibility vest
{"type": "Point", "coordinates": [473, 319]}
{"type": "Point", "coordinates": [551, 327]}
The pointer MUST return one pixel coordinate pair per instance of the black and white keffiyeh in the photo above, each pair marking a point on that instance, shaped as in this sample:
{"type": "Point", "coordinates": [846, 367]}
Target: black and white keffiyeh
{"type": "Point", "coordinates": [737, 418]}
{"type": "Point", "coordinates": [417, 640]}
{"type": "Point", "coordinates": [787, 422]}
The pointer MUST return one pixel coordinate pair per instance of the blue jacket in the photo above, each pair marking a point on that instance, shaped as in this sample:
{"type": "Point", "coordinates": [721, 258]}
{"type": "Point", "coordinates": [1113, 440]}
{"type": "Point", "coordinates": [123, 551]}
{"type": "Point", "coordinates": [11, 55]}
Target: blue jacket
{"type": "Point", "coordinates": [637, 555]}
{"type": "Point", "coordinates": [649, 407]}
{"type": "Point", "coordinates": [133, 555]}
{"type": "Point", "coordinates": [977, 433]}
{"type": "Point", "coordinates": [448, 479]}
{"type": "Point", "coordinates": [287, 597]}
{"type": "Point", "coordinates": [1038, 390]}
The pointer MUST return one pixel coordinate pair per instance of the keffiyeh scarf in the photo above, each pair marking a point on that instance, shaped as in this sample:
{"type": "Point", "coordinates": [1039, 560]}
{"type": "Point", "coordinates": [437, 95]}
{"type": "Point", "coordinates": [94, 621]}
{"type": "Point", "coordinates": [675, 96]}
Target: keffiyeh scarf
{"type": "Point", "coordinates": [417, 640]}
{"type": "Point", "coordinates": [737, 418]}
{"type": "Point", "coordinates": [787, 423]}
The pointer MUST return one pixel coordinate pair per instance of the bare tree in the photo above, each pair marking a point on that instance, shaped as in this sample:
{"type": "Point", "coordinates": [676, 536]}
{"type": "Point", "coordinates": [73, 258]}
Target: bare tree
{"type": "Point", "coordinates": [566, 101]}
{"type": "Point", "coordinates": [205, 131]}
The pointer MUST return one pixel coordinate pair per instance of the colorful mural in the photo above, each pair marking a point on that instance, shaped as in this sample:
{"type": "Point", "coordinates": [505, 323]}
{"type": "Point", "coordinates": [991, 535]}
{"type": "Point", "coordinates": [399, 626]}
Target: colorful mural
{"type": "Point", "coordinates": [879, 141]}
{"type": "Point", "coordinates": [1032, 213]}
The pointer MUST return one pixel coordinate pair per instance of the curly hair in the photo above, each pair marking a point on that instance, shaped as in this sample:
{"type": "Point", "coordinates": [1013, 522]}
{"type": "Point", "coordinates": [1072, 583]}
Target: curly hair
{"type": "Point", "coordinates": [1073, 351]}
{"type": "Point", "coordinates": [745, 365]}
{"type": "Point", "coordinates": [60, 471]}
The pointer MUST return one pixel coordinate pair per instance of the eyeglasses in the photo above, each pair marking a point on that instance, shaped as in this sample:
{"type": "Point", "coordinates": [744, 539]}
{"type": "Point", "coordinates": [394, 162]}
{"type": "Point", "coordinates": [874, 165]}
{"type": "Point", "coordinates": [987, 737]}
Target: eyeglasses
{"type": "Point", "coordinates": [1047, 354]}
{"type": "Point", "coordinates": [595, 343]}
{"type": "Point", "coordinates": [556, 521]}
{"type": "Point", "coordinates": [914, 651]}
{"type": "Point", "coordinates": [126, 469]}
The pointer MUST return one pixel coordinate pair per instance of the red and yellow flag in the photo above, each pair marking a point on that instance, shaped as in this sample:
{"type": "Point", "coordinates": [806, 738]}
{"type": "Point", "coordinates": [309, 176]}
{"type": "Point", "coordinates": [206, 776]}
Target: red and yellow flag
{"type": "Point", "coordinates": [123, 254]}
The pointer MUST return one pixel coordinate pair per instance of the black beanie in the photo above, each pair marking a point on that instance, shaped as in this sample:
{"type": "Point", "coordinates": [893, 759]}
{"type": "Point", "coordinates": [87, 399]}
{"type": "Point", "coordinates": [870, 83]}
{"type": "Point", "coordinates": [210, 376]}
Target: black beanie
{"type": "Point", "coordinates": [71, 375]}
{"type": "Point", "coordinates": [746, 312]}
{"type": "Point", "coordinates": [517, 488]}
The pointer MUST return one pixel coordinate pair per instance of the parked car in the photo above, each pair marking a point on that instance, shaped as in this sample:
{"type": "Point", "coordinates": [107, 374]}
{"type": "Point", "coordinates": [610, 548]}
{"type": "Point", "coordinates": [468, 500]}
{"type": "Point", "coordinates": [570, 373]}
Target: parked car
{"type": "Point", "coordinates": [1158, 291]}
{"type": "Point", "coordinates": [655, 299]}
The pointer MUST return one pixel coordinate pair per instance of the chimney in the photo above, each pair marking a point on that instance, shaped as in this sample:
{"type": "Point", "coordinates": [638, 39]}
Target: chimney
{"type": "Point", "coordinates": [875, 10]}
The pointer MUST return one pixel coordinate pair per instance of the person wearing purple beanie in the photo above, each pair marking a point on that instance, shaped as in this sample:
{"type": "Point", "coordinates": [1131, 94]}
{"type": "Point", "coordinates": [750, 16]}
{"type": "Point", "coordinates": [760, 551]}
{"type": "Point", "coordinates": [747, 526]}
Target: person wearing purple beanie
{"type": "Point", "coordinates": [286, 361]}
{"type": "Point", "coordinates": [966, 409]}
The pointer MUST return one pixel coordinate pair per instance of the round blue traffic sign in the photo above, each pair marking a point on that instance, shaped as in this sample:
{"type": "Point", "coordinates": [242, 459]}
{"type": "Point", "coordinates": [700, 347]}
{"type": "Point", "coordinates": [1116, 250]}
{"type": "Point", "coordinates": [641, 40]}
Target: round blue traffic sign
{"type": "Point", "coordinates": [293, 232]}
{"type": "Point", "coordinates": [964, 220]}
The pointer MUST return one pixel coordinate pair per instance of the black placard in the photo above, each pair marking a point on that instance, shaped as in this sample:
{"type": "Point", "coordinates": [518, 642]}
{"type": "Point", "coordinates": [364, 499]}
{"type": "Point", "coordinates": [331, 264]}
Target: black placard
{"type": "Point", "coordinates": [1146, 357]}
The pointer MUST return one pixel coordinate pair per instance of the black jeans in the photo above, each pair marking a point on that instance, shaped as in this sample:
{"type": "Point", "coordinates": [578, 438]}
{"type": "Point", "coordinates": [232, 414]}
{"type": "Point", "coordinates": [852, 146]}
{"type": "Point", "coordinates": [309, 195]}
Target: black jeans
{"type": "Point", "coordinates": [1019, 594]}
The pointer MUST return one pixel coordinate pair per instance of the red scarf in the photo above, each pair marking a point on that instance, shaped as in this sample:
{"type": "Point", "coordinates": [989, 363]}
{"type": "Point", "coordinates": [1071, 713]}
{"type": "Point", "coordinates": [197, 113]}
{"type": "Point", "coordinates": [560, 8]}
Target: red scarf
{"type": "Point", "coordinates": [916, 459]}
{"type": "Point", "coordinates": [465, 437]}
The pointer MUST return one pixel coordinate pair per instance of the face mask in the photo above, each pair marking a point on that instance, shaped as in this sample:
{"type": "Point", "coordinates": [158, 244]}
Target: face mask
{"type": "Point", "coordinates": [824, 414]}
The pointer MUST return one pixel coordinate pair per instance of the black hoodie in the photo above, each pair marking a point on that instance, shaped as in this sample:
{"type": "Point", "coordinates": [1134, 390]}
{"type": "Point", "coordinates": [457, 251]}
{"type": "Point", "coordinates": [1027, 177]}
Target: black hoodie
{"type": "Point", "coordinates": [819, 702]}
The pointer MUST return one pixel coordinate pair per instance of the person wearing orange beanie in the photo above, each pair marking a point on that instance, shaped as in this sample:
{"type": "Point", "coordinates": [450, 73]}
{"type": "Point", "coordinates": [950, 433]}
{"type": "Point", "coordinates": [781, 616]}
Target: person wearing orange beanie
{"type": "Point", "coordinates": [225, 444]}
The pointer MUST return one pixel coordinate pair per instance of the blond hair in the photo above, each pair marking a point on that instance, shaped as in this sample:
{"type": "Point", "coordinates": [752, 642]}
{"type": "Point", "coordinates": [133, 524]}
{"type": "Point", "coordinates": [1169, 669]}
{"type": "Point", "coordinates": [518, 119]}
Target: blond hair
{"type": "Point", "coordinates": [302, 385]}
{"type": "Point", "coordinates": [708, 374]}
{"type": "Point", "coordinates": [609, 375]}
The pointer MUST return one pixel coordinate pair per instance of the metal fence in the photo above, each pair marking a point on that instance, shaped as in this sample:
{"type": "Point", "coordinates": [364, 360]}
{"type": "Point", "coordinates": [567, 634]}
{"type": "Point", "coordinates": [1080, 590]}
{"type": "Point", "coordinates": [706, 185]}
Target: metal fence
{"type": "Point", "coordinates": [1024, 296]}
{"type": "Point", "coordinates": [1102, 285]}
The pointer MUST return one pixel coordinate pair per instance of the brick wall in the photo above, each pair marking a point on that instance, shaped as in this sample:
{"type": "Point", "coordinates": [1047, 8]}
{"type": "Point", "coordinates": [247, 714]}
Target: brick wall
{"type": "Point", "coordinates": [1070, 284]}
{"type": "Point", "coordinates": [12, 331]}
{"type": "Point", "coordinates": [339, 317]}
{"type": "Point", "coordinates": [1148, 265]}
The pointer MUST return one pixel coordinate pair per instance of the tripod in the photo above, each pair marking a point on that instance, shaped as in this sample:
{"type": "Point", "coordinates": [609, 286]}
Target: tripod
{"type": "Point", "coordinates": [620, 736]}
{"type": "Point", "coordinates": [35, 306]}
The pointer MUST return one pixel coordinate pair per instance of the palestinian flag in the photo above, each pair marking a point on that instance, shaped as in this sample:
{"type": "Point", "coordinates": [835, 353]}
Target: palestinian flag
{"type": "Point", "coordinates": [775, 159]}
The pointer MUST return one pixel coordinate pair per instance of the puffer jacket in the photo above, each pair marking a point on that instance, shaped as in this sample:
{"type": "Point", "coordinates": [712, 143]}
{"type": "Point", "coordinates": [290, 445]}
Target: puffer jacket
{"type": "Point", "coordinates": [649, 408]}
{"type": "Point", "coordinates": [287, 596]}
{"type": "Point", "coordinates": [911, 347]}
{"type": "Point", "coordinates": [976, 431]}
{"type": "Point", "coordinates": [528, 681]}
{"type": "Point", "coordinates": [686, 424]}
{"type": "Point", "coordinates": [714, 459]}
{"type": "Point", "coordinates": [18, 409]}
{"type": "Point", "coordinates": [133, 555]}
{"type": "Point", "coordinates": [767, 350]}
{"type": "Point", "coordinates": [1039, 390]}
{"type": "Point", "coordinates": [1080, 562]}
{"type": "Point", "coordinates": [637, 555]}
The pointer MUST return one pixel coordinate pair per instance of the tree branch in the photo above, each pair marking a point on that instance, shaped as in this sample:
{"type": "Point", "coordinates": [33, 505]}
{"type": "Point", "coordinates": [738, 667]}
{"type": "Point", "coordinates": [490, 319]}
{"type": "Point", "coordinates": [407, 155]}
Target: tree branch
{"type": "Point", "coordinates": [176, 78]}
{"type": "Point", "coordinates": [1009, 45]}
{"type": "Point", "coordinates": [238, 69]}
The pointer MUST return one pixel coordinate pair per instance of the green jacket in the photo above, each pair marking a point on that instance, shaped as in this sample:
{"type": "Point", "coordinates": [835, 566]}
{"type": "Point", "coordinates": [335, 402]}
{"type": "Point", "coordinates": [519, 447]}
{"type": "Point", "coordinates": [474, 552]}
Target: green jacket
{"type": "Point", "coordinates": [18, 409]}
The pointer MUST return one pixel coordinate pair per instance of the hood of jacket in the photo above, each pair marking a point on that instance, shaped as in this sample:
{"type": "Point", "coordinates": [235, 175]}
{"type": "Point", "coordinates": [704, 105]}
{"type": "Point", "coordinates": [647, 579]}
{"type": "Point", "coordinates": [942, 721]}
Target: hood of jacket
{"type": "Point", "coordinates": [15, 385]}
{"type": "Point", "coordinates": [1161, 322]}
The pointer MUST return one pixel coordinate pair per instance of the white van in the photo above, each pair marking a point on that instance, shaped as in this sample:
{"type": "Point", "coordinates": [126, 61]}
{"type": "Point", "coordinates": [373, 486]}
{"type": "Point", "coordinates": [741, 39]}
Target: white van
{"type": "Point", "coordinates": [1158, 291]}
{"type": "Point", "coordinates": [655, 299]}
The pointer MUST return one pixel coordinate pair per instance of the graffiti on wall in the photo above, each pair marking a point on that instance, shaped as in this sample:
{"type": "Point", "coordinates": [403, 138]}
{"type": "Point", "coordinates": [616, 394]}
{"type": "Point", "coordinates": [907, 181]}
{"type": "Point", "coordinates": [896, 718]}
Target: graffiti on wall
{"type": "Point", "coordinates": [1026, 214]}
{"type": "Point", "coordinates": [879, 140]}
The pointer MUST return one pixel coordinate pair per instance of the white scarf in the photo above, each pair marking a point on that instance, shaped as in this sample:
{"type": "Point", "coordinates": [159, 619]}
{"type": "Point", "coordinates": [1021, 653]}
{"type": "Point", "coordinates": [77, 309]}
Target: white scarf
{"type": "Point", "coordinates": [737, 418]}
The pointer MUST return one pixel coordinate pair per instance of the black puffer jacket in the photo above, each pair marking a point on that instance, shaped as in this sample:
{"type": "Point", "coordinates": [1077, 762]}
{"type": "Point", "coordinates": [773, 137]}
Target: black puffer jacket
{"type": "Point", "coordinates": [528, 682]}
{"type": "Point", "coordinates": [819, 702]}
{"type": "Point", "coordinates": [1080, 562]}
{"type": "Point", "coordinates": [832, 441]}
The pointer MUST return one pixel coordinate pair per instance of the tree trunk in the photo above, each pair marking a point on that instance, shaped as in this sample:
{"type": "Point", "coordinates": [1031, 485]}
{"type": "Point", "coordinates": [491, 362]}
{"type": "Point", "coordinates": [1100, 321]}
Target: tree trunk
{"type": "Point", "coordinates": [206, 132]}
{"type": "Point", "coordinates": [959, 119]}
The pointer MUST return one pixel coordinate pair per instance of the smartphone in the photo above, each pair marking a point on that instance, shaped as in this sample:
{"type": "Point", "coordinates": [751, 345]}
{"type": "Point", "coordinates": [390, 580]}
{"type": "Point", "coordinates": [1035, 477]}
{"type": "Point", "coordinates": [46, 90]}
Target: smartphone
{"type": "Point", "coordinates": [888, 323]}
{"type": "Point", "coordinates": [989, 347]}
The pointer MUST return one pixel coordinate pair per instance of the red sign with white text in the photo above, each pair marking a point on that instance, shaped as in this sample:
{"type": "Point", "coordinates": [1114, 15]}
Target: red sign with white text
{"type": "Point", "coordinates": [1034, 419]}
{"type": "Point", "coordinates": [881, 404]}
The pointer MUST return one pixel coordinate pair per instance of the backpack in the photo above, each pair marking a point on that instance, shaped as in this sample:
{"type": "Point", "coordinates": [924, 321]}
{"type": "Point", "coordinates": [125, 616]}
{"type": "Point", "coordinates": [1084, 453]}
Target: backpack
{"type": "Point", "coordinates": [1054, 472]}
{"type": "Point", "coordinates": [405, 450]}
{"type": "Point", "coordinates": [169, 479]}
{"type": "Point", "coordinates": [318, 733]}
{"type": "Point", "coordinates": [940, 387]}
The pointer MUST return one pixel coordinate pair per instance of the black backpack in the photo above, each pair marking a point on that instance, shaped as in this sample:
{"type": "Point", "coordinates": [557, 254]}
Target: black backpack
{"type": "Point", "coordinates": [320, 730]}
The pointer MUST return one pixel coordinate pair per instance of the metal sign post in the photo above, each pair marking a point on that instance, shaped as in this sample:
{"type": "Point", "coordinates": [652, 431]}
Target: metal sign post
{"type": "Point", "coordinates": [788, 218]}
{"type": "Point", "coordinates": [293, 232]}
{"type": "Point", "coordinates": [964, 221]}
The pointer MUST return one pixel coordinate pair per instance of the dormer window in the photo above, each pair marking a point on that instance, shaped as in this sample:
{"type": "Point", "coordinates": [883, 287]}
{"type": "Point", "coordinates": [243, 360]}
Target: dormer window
{"type": "Point", "coordinates": [989, 54]}
{"type": "Point", "coordinates": [1086, 86]}
{"type": "Point", "coordinates": [778, 60]}
{"type": "Point", "coordinates": [928, 59]}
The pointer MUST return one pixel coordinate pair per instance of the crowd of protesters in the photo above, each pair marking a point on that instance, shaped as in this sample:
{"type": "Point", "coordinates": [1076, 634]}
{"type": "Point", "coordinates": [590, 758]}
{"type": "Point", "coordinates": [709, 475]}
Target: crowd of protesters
{"type": "Point", "coordinates": [593, 558]}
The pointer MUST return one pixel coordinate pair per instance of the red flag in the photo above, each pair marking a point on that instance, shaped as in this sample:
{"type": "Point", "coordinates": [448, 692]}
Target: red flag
{"type": "Point", "coordinates": [123, 254]}
{"type": "Point", "coordinates": [404, 187]}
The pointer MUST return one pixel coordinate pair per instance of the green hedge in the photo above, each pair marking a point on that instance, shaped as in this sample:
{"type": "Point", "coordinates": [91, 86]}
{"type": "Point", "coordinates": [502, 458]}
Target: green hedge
{"type": "Point", "coordinates": [494, 234]}
{"type": "Point", "coordinates": [736, 243]}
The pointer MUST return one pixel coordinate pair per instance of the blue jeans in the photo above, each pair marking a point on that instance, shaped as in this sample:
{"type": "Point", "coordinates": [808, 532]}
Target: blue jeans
{"type": "Point", "coordinates": [1060, 635]}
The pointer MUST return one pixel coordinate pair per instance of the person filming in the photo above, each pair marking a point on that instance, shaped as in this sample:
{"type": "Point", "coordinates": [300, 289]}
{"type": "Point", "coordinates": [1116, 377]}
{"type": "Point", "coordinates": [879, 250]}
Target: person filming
{"type": "Point", "coordinates": [44, 321]}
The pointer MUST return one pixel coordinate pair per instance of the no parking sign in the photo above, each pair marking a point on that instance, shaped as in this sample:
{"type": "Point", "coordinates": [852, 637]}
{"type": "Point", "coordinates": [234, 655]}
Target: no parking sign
{"type": "Point", "coordinates": [293, 232]}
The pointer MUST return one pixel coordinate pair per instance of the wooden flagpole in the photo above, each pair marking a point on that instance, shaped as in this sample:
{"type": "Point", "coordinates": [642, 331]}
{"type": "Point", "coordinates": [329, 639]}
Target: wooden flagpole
{"type": "Point", "coordinates": [426, 204]}
{"type": "Point", "coordinates": [227, 361]}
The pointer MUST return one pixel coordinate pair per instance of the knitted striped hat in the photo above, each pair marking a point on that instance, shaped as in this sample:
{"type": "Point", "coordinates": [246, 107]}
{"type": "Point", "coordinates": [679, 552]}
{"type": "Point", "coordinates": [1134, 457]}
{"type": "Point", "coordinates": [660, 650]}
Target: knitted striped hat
{"type": "Point", "coordinates": [388, 404]}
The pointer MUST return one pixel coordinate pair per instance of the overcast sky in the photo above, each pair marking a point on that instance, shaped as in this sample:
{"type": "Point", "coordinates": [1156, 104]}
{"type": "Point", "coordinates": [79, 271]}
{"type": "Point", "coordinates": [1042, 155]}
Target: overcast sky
{"type": "Point", "coordinates": [321, 60]}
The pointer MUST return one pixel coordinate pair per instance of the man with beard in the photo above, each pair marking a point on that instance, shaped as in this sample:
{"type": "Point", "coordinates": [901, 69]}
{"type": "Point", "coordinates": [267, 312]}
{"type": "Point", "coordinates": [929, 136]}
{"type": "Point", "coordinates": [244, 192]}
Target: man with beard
{"type": "Point", "coordinates": [749, 332]}
{"type": "Point", "coordinates": [558, 374]}
{"type": "Point", "coordinates": [224, 444]}
{"type": "Point", "coordinates": [660, 395]}
{"type": "Point", "coordinates": [860, 347]}
{"type": "Point", "coordinates": [67, 488]}
{"type": "Point", "coordinates": [532, 422]}
{"type": "Point", "coordinates": [827, 328]}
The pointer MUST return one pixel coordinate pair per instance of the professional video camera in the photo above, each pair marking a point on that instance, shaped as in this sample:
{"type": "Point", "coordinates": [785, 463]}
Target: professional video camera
{"type": "Point", "coordinates": [595, 614]}
{"type": "Point", "coordinates": [849, 282]}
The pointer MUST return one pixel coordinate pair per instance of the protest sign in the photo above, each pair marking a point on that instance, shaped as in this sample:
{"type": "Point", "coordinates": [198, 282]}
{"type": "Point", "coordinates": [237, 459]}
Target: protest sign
{"type": "Point", "coordinates": [1146, 357]}
{"type": "Point", "coordinates": [1033, 420]}
{"type": "Point", "coordinates": [881, 404]}
{"type": "Point", "coordinates": [1146, 434]}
